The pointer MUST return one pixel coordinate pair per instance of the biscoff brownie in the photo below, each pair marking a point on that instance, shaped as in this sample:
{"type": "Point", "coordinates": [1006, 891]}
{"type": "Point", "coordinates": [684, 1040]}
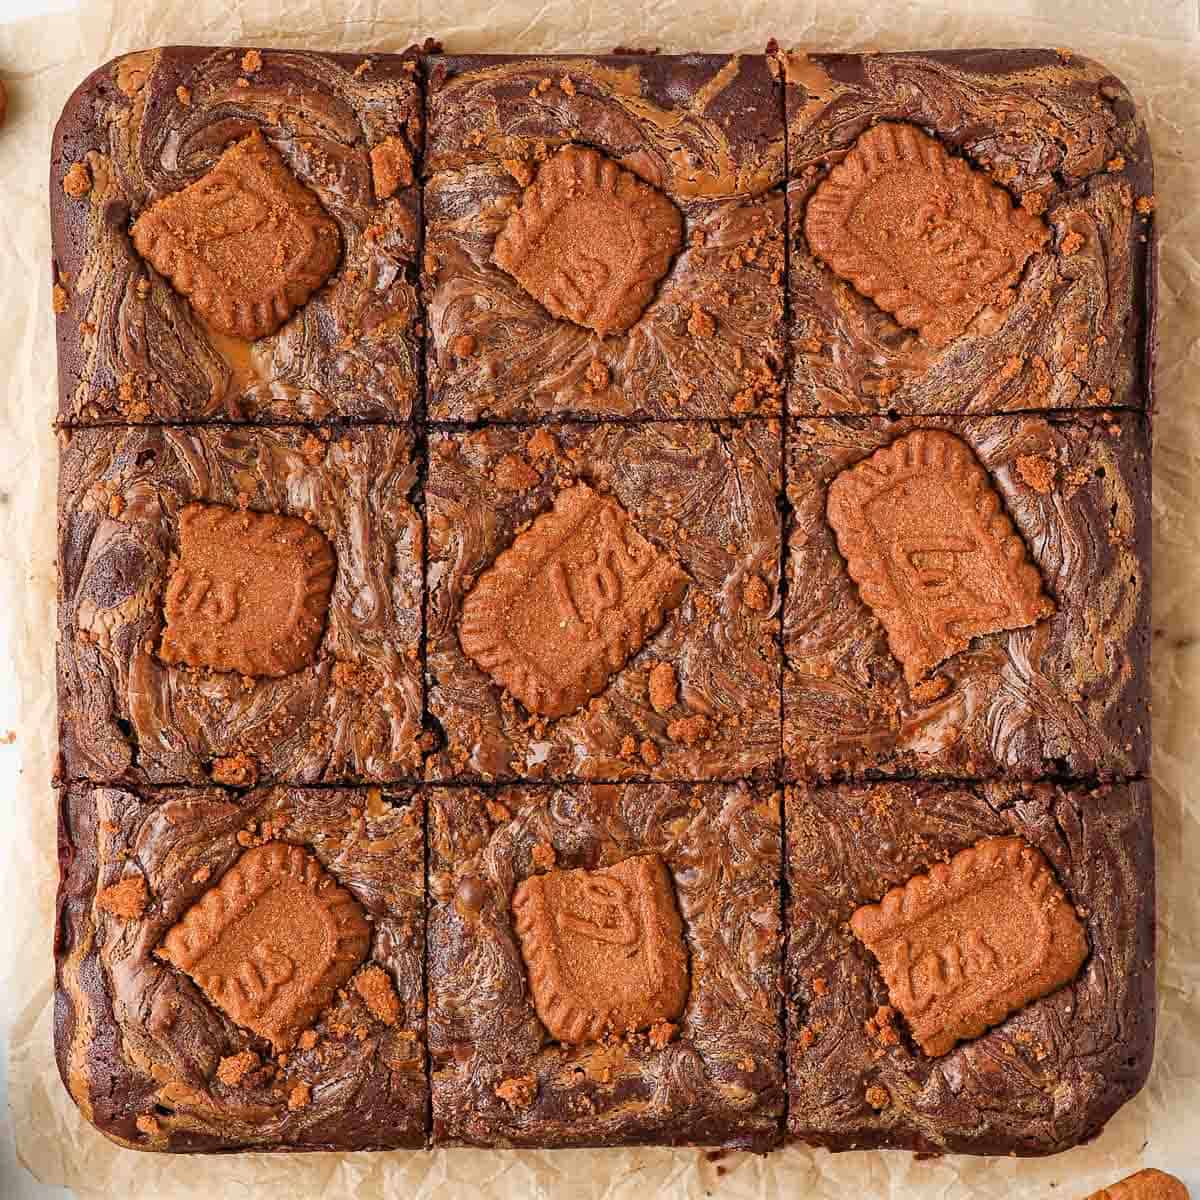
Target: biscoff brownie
{"type": "Point", "coordinates": [243, 971]}
{"type": "Point", "coordinates": [969, 231]}
{"type": "Point", "coordinates": [603, 236]}
{"type": "Point", "coordinates": [235, 238]}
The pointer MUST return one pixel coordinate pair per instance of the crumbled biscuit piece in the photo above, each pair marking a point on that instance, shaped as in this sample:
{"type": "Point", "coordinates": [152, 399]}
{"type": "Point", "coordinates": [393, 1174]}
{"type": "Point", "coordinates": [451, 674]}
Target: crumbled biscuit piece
{"type": "Point", "coordinates": [518, 1092]}
{"type": "Point", "coordinates": [878, 1097]}
{"type": "Point", "coordinates": [514, 474]}
{"type": "Point", "coordinates": [126, 900]}
{"type": "Point", "coordinates": [148, 1125]}
{"type": "Point", "coordinates": [391, 167]}
{"type": "Point", "coordinates": [664, 687]}
{"type": "Point", "coordinates": [1037, 471]}
{"type": "Point", "coordinates": [237, 770]}
{"type": "Point", "coordinates": [689, 730]}
{"type": "Point", "coordinates": [251, 62]}
{"type": "Point", "coordinates": [650, 754]}
{"type": "Point", "coordinates": [756, 594]}
{"type": "Point", "coordinates": [700, 323]}
{"type": "Point", "coordinates": [542, 444]}
{"type": "Point", "coordinates": [522, 172]}
{"type": "Point", "coordinates": [543, 856]}
{"type": "Point", "coordinates": [463, 346]}
{"type": "Point", "coordinates": [232, 1070]}
{"type": "Point", "coordinates": [77, 182]}
{"type": "Point", "coordinates": [375, 987]}
{"type": "Point", "coordinates": [661, 1033]}
{"type": "Point", "coordinates": [59, 299]}
{"type": "Point", "coordinates": [597, 376]}
{"type": "Point", "coordinates": [183, 95]}
{"type": "Point", "coordinates": [1072, 242]}
{"type": "Point", "coordinates": [299, 1096]}
{"type": "Point", "coordinates": [1145, 205]}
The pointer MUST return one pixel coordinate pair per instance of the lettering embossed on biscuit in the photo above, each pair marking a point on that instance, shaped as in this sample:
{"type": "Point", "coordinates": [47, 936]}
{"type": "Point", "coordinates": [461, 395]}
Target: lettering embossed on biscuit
{"type": "Point", "coordinates": [562, 609]}
{"type": "Point", "coordinates": [934, 556]}
{"type": "Point", "coordinates": [973, 941]}
{"type": "Point", "coordinates": [604, 949]}
{"type": "Point", "coordinates": [247, 243]}
{"type": "Point", "coordinates": [590, 241]}
{"type": "Point", "coordinates": [271, 943]}
{"type": "Point", "coordinates": [1144, 1185]}
{"type": "Point", "coordinates": [250, 592]}
{"type": "Point", "coordinates": [923, 234]}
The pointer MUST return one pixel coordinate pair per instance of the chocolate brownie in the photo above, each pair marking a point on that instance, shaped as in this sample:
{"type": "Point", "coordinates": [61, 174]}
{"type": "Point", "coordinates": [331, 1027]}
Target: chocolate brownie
{"type": "Point", "coordinates": [239, 603]}
{"type": "Point", "coordinates": [604, 236]}
{"type": "Point", "coordinates": [243, 971]}
{"type": "Point", "coordinates": [235, 237]}
{"type": "Point", "coordinates": [604, 965]}
{"type": "Point", "coordinates": [968, 597]}
{"type": "Point", "coordinates": [969, 231]}
{"type": "Point", "coordinates": [1002, 890]}
{"type": "Point", "coordinates": [603, 601]}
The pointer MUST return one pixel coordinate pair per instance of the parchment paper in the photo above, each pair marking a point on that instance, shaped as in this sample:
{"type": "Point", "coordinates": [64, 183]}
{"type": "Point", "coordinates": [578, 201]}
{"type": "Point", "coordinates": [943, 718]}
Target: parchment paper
{"type": "Point", "coordinates": [1155, 47]}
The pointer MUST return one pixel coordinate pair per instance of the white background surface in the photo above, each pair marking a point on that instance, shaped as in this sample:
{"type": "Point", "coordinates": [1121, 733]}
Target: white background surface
{"type": "Point", "coordinates": [1180, 19]}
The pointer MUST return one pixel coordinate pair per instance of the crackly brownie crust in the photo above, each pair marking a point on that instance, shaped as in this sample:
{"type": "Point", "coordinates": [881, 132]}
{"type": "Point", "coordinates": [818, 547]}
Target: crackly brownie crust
{"type": "Point", "coordinates": [716, 1081]}
{"type": "Point", "coordinates": [131, 349]}
{"type": "Point", "coordinates": [156, 1066]}
{"type": "Point", "coordinates": [701, 492]}
{"type": "Point", "coordinates": [352, 713]}
{"type": "Point", "coordinates": [1067, 696]}
{"type": "Point", "coordinates": [1062, 135]}
{"type": "Point", "coordinates": [707, 132]}
{"type": "Point", "coordinates": [1045, 1079]}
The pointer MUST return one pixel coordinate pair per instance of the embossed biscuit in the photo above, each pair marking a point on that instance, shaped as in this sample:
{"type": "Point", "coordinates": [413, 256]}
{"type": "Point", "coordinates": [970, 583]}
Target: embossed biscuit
{"type": "Point", "coordinates": [926, 236]}
{"type": "Point", "coordinates": [250, 592]}
{"type": "Point", "coordinates": [604, 949]}
{"type": "Point", "coordinates": [562, 609]}
{"type": "Point", "coordinates": [590, 240]}
{"type": "Point", "coordinates": [934, 556]}
{"type": "Point", "coordinates": [973, 941]}
{"type": "Point", "coordinates": [272, 942]}
{"type": "Point", "coordinates": [246, 243]}
{"type": "Point", "coordinates": [1145, 1185]}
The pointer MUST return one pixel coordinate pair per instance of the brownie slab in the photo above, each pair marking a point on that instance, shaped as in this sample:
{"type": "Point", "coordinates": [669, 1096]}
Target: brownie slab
{"type": "Point", "coordinates": [265, 665]}
{"type": "Point", "coordinates": [604, 236]}
{"type": "Point", "coordinates": [192, 921]}
{"type": "Point", "coordinates": [969, 231]}
{"type": "Point", "coordinates": [574, 881]}
{"type": "Point", "coordinates": [603, 601]}
{"type": "Point", "coordinates": [1050, 1075]}
{"type": "Point", "coordinates": [235, 237]}
{"type": "Point", "coordinates": [981, 614]}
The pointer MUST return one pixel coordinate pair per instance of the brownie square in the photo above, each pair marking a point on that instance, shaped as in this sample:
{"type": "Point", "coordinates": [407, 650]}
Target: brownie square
{"type": "Point", "coordinates": [637, 205]}
{"type": "Point", "coordinates": [603, 601]}
{"type": "Point", "coordinates": [147, 1053]}
{"type": "Point", "coordinates": [281, 184]}
{"type": "Point", "coordinates": [890, 665]}
{"type": "Point", "coordinates": [546, 874]}
{"type": "Point", "coordinates": [909, 176]}
{"type": "Point", "coordinates": [266, 666]}
{"type": "Point", "coordinates": [1046, 1078]}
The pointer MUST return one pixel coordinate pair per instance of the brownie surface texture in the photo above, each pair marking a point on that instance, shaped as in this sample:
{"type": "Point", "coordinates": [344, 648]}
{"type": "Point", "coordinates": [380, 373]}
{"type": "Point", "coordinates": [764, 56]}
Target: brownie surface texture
{"type": "Point", "coordinates": [604, 599]}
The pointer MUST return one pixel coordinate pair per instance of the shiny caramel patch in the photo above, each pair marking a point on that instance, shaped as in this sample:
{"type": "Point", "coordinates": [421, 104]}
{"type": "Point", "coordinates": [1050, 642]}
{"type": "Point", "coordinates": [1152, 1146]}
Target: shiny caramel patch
{"type": "Point", "coordinates": [247, 243]}
{"type": "Point", "coordinates": [934, 556]}
{"type": "Point", "coordinates": [590, 241]}
{"type": "Point", "coordinates": [973, 941]}
{"type": "Point", "coordinates": [271, 943]}
{"type": "Point", "coordinates": [604, 949]}
{"type": "Point", "coordinates": [564, 607]}
{"type": "Point", "coordinates": [250, 592]}
{"type": "Point", "coordinates": [926, 236]}
{"type": "Point", "coordinates": [1145, 1185]}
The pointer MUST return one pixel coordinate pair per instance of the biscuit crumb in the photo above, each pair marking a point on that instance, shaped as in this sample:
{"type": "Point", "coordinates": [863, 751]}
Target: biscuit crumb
{"type": "Point", "coordinates": [59, 299]}
{"type": "Point", "coordinates": [391, 167]}
{"type": "Point", "coordinates": [1034, 202]}
{"type": "Point", "coordinates": [148, 1125]}
{"type": "Point", "coordinates": [661, 1033]}
{"type": "Point", "coordinates": [514, 474]}
{"type": "Point", "coordinates": [299, 1096]}
{"type": "Point", "coordinates": [878, 1097]}
{"type": "Point", "coordinates": [700, 323]}
{"type": "Point", "coordinates": [375, 987]}
{"type": "Point", "coordinates": [497, 812]}
{"type": "Point", "coordinates": [521, 171]}
{"type": "Point", "coordinates": [756, 594]}
{"type": "Point", "coordinates": [542, 444]}
{"type": "Point", "coordinates": [597, 376]}
{"type": "Point", "coordinates": [689, 730]}
{"type": "Point", "coordinates": [664, 686]}
{"type": "Point", "coordinates": [650, 755]}
{"type": "Point", "coordinates": [1115, 164]}
{"type": "Point", "coordinates": [251, 62]}
{"type": "Point", "coordinates": [1038, 472]}
{"type": "Point", "coordinates": [238, 770]}
{"type": "Point", "coordinates": [77, 182]}
{"type": "Point", "coordinates": [518, 1092]}
{"type": "Point", "coordinates": [543, 856]}
{"type": "Point", "coordinates": [183, 95]}
{"type": "Point", "coordinates": [1072, 242]}
{"type": "Point", "coordinates": [930, 690]}
{"type": "Point", "coordinates": [567, 84]}
{"type": "Point", "coordinates": [1145, 205]}
{"type": "Point", "coordinates": [232, 1070]}
{"type": "Point", "coordinates": [463, 346]}
{"type": "Point", "coordinates": [126, 900]}
{"type": "Point", "coordinates": [308, 1039]}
